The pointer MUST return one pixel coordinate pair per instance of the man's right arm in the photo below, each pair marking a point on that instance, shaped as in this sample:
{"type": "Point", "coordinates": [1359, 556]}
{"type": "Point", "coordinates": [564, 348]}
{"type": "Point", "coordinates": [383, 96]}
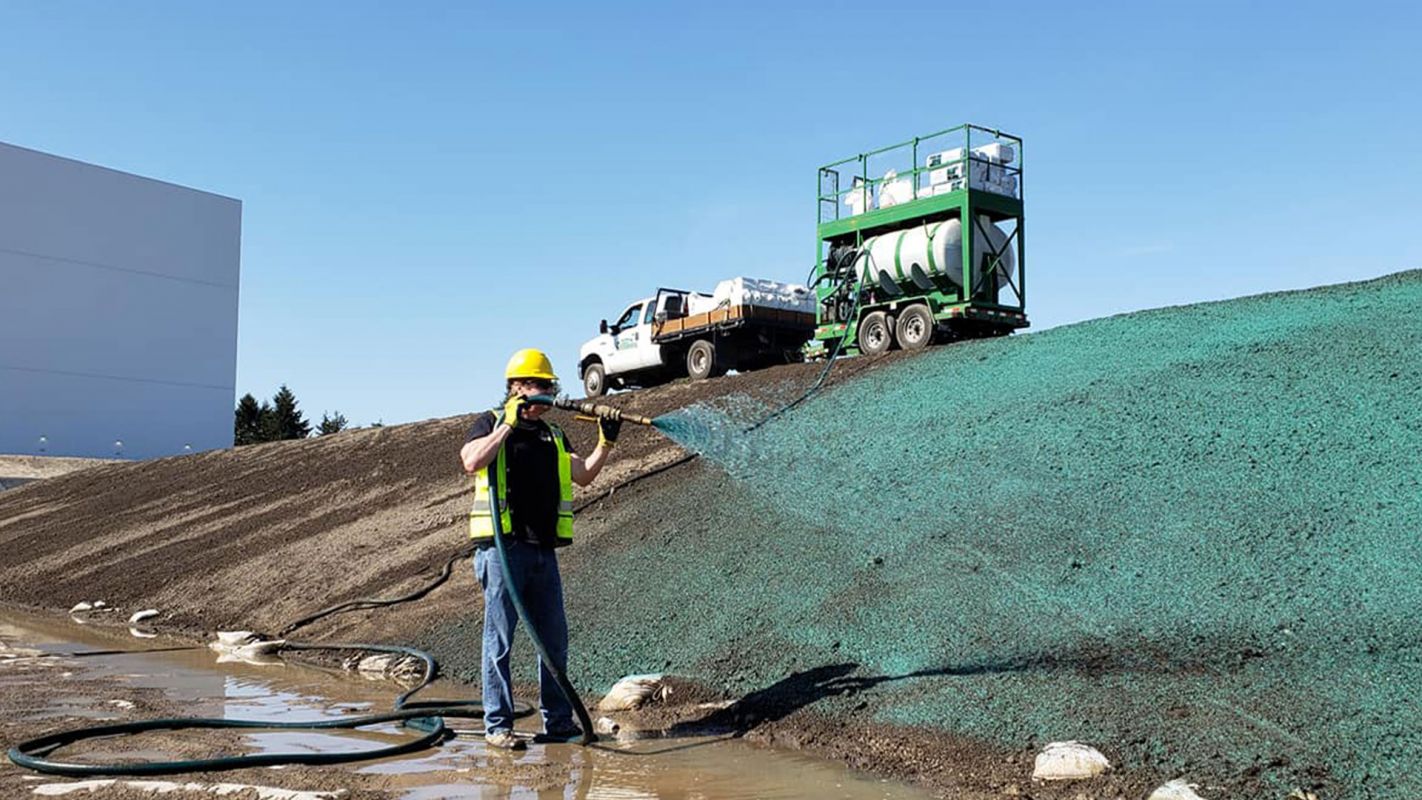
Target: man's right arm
{"type": "Point", "coordinates": [480, 452]}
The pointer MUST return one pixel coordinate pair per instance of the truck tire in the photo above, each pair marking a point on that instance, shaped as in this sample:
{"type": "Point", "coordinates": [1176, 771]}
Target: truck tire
{"type": "Point", "coordinates": [701, 360]}
{"type": "Point", "coordinates": [915, 327]}
{"type": "Point", "coordinates": [595, 379]}
{"type": "Point", "coordinates": [875, 337]}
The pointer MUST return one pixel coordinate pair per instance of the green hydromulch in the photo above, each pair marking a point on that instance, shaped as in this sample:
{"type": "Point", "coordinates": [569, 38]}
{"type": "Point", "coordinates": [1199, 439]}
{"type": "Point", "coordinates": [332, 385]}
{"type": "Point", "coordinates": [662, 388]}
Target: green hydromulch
{"type": "Point", "coordinates": [1190, 536]}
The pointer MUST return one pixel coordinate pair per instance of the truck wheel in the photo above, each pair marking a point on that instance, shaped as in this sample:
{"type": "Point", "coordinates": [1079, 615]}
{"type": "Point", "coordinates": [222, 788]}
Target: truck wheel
{"type": "Point", "coordinates": [595, 379]}
{"type": "Point", "coordinates": [915, 327]}
{"type": "Point", "coordinates": [701, 360]}
{"type": "Point", "coordinates": [874, 334]}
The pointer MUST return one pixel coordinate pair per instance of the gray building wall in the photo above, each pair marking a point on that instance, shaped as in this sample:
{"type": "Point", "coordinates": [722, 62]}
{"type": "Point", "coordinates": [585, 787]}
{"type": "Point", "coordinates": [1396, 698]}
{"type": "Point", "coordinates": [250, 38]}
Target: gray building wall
{"type": "Point", "coordinates": [118, 311]}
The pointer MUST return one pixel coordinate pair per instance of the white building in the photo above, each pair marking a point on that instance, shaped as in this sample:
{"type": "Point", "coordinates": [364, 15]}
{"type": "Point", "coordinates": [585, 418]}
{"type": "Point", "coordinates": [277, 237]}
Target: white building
{"type": "Point", "coordinates": [118, 311]}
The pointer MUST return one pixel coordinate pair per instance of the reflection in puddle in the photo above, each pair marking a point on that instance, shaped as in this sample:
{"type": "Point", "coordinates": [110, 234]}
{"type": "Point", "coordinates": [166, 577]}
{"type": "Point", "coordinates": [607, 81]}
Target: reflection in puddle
{"type": "Point", "coordinates": [461, 768]}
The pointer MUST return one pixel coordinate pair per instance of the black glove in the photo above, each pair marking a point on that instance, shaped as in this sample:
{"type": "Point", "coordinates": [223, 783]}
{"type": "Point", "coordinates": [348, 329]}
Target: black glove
{"type": "Point", "coordinates": [607, 430]}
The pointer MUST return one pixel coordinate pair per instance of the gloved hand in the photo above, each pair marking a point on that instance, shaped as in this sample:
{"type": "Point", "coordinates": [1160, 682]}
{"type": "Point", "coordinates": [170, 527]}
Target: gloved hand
{"type": "Point", "coordinates": [607, 430]}
{"type": "Point", "coordinates": [512, 408]}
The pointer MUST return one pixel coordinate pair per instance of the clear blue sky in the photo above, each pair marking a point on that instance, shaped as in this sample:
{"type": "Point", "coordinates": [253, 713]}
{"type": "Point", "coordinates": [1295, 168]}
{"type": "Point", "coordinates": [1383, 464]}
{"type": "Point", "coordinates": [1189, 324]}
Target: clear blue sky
{"type": "Point", "coordinates": [428, 187]}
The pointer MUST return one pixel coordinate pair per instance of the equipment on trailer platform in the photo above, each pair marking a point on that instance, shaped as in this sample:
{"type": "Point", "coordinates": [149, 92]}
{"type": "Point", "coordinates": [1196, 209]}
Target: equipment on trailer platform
{"type": "Point", "coordinates": [932, 250]}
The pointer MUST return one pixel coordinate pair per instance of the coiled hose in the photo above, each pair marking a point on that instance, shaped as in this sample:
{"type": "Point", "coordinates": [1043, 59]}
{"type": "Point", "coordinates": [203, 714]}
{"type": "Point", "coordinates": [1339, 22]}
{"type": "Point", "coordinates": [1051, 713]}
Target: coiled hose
{"type": "Point", "coordinates": [426, 717]}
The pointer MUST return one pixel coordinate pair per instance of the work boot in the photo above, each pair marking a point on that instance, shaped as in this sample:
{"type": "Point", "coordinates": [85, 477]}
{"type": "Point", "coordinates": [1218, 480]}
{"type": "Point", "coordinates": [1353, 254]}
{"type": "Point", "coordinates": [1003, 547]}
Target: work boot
{"type": "Point", "coordinates": [559, 736]}
{"type": "Point", "coordinates": [504, 740]}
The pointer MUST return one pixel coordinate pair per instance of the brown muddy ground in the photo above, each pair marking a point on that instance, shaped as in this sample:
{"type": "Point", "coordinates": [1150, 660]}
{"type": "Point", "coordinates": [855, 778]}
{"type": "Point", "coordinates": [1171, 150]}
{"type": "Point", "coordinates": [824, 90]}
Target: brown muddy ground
{"type": "Point", "coordinates": [255, 537]}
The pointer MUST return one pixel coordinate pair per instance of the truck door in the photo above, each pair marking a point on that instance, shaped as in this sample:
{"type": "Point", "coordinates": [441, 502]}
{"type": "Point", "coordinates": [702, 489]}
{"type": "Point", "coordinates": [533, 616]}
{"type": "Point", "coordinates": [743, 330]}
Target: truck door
{"type": "Point", "coordinates": [625, 340]}
{"type": "Point", "coordinates": [649, 353]}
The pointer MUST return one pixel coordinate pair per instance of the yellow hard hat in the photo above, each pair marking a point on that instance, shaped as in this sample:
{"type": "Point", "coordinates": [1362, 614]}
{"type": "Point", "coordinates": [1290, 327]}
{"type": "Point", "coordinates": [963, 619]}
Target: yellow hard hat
{"type": "Point", "coordinates": [530, 363]}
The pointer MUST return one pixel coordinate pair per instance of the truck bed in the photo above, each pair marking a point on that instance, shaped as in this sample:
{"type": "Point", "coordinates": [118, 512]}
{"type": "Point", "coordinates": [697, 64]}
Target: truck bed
{"type": "Point", "coordinates": [730, 317]}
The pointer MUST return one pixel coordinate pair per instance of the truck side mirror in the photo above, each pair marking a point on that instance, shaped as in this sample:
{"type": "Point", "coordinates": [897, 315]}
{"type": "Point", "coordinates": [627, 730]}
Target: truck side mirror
{"type": "Point", "coordinates": [602, 327]}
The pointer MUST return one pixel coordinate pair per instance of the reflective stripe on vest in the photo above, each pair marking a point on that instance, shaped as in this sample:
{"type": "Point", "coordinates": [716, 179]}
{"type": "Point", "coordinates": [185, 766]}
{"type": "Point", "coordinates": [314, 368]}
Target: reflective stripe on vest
{"type": "Point", "coordinates": [481, 522]}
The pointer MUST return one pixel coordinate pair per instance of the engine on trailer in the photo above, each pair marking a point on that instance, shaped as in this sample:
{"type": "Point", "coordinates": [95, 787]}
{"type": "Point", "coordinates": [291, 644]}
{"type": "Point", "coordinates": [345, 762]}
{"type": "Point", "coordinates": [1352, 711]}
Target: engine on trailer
{"type": "Point", "coordinates": [839, 271]}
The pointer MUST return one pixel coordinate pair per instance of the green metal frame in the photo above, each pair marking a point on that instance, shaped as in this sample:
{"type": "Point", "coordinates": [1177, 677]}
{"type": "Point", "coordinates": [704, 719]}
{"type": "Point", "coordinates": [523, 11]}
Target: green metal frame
{"type": "Point", "coordinates": [977, 308]}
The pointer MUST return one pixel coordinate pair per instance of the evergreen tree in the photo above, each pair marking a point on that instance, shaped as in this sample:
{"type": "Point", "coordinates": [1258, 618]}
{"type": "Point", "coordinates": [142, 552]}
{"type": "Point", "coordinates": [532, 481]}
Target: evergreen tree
{"type": "Point", "coordinates": [332, 424]}
{"type": "Point", "coordinates": [248, 428]}
{"type": "Point", "coordinates": [287, 422]}
{"type": "Point", "coordinates": [267, 427]}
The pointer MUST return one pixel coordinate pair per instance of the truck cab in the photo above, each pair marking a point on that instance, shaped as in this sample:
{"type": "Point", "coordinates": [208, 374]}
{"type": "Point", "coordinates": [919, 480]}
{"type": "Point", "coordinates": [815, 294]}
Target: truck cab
{"type": "Point", "coordinates": [625, 352]}
{"type": "Point", "coordinates": [746, 324]}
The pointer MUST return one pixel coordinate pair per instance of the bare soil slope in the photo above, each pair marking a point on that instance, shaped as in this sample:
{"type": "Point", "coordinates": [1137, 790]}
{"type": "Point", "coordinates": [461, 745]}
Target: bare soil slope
{"type": "Point", "coordinates": [254, 537]}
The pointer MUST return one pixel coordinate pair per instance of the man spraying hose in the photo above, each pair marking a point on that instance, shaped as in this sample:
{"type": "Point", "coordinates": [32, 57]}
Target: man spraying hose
{"type": "Point", "coordinates": [529, 467]}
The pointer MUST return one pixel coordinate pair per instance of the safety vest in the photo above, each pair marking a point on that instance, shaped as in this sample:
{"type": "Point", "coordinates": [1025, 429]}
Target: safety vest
{"type": "Point", "coordinates": [481, 521]}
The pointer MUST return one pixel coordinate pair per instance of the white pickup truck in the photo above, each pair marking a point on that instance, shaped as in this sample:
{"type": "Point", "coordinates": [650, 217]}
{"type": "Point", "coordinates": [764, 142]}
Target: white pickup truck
{"type": "Point", "coordinates": [745, 324]}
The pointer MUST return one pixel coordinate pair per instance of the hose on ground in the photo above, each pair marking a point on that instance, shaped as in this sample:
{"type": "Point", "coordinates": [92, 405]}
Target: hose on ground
{"type": "Point", "coordinates": [362, 603]}
{"type": "Point", "coordinates": [426, 717]}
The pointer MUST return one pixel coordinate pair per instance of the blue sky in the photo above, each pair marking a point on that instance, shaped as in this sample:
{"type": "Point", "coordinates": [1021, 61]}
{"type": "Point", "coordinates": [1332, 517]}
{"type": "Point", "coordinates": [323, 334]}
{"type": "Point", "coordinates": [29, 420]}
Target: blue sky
{"type": "Point", "coordinates": [428, 187]}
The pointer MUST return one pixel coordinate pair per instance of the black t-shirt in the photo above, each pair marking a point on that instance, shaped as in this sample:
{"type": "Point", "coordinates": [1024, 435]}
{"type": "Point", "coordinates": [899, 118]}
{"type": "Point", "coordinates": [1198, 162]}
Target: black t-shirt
{"type": "Point", "coordinates": [531, 461]}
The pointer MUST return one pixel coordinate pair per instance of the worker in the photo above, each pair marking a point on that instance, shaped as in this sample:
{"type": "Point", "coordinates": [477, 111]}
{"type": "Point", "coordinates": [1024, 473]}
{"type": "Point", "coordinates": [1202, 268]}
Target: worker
{"type": "Point", "coordinates": [530, 466]}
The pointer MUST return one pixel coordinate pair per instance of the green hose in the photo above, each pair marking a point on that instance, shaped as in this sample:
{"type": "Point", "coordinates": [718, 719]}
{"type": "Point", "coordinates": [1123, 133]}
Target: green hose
{"type": "Point", "coordinates": [427, 717]}
{"type": "Point", "coordinates": [564, 685]}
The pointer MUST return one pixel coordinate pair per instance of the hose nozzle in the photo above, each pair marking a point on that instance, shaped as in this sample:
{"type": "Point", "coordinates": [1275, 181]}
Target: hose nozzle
{"type": "Point", "coordinates": [602, 412]}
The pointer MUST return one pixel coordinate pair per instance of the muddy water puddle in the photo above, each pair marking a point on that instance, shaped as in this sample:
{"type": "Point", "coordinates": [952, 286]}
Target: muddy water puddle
{"type": "Point", "coordinates": [193, 683]}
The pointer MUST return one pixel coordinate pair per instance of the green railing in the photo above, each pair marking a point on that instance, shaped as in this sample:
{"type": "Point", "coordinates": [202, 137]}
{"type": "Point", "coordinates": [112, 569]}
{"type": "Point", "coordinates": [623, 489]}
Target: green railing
{"type": "Point", "coordinates": [832, 195]}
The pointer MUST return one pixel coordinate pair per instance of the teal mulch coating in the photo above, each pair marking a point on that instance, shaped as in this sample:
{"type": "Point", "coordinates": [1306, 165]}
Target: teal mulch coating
{"type": "Point", "coordinates": [1190, 536]}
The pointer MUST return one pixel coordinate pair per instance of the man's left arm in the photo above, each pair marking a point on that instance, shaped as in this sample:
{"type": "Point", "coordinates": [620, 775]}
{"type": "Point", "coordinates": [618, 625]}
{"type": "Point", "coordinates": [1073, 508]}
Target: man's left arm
{"type": "Point", "coordinates": [585, 470]}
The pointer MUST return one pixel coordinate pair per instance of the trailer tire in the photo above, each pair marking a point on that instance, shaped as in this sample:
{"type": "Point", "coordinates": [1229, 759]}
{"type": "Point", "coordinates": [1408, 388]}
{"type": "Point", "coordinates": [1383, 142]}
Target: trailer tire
{"type": "Point", "coordinates": [915, 327]}
{"type": "Point", "coordinates": [595, 379]}
{"type": "Point", "coordinates": [701, 360]}
{"type": "Point", "coordinates": [875, 336]}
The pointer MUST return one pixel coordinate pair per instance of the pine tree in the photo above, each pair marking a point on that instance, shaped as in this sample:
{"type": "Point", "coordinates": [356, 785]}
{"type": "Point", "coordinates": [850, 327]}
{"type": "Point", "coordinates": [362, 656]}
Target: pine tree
{"type": "Point", "coordinates": [267, 427]}
{"type": "Point", "coordinates": [332, 423]}
{"type": "Point", "coordinates": [287, 422]}
{"type": "Point", "coordinates": [248, 429]}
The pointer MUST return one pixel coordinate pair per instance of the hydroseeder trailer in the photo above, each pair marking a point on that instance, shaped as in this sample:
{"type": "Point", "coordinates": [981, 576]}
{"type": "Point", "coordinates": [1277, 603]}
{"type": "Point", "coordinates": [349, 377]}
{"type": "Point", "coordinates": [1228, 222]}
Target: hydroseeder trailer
{"type": "Point", "coordinates": [932, 249]}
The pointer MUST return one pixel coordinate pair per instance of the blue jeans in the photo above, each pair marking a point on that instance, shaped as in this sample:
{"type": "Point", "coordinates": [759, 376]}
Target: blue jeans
{"type": "Point", "coordinates": [535, 573]}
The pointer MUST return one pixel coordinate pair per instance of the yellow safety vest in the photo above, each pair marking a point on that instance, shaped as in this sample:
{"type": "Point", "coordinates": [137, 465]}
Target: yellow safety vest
{"type": "Point", "coordinates": [481, 522]}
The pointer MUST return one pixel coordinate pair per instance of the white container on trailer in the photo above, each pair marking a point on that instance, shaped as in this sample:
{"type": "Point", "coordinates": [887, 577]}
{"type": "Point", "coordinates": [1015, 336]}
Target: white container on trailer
{"type": "Point", "coordinates": [909, 259]}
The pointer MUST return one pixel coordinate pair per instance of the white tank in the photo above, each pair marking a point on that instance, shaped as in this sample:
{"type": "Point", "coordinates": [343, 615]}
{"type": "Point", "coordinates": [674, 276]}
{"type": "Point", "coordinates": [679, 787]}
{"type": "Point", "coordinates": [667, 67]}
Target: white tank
{"type": "Point", "coordinates": [905, 261]}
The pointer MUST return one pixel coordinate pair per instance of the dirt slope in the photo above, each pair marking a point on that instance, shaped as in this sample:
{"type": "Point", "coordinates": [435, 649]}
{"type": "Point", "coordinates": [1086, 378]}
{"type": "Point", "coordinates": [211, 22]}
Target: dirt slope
{"type": "Point", "coordinates": [1187, 536]}
{"type": "Point", "coordinates": [253, 537]}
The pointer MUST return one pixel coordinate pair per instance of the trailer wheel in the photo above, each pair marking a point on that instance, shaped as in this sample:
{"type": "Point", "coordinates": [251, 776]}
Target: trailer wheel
{"type": "Point", "coordinates": [595, 379]}
{"type": "Point", "coordinates": [915, 327]}
{"type": "Point", "coordinates": [701, 360]}
{"type": "Point", "coordinates": [874, 334]}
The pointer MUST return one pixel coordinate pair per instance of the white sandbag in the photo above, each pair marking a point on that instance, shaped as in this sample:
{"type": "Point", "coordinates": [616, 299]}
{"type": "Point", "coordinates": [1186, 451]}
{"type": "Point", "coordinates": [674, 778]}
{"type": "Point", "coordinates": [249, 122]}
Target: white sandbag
{"type": "Point", "coordinates": [139, 616]}
{"type": "Point", "coordinates": [81, 606]}
{"type": "Point", "coordinates": [1069, 761]}
{"type": "Point", "coordinates": [633, 691]}
{"type": "Point", "coordinates": [1177, 789]}
{"type": "Point", "coordinates": [698, 303]}
{"type": "Point", "coordinates": [233, 638]}
{"type": "Point", "coordinates": [245, 646]}
{"type": "Point", "coordinates": [764, 293]}
{"type": "Point", "coordinates": [894, 190]}
{"type": "Point", "coordinates": [997, 153]}
{"type": "Point", "coordinates": [858, 200]}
